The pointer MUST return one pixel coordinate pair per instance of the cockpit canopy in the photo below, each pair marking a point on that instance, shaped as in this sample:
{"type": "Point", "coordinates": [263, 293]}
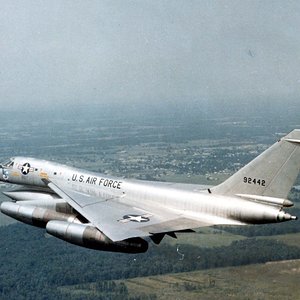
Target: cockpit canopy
{"type": "Point", "coordinates": [8, 164]}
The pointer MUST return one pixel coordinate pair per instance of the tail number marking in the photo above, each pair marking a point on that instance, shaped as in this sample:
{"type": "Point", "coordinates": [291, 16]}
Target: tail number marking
{"type": "Point", "coordinates": [250, 180]}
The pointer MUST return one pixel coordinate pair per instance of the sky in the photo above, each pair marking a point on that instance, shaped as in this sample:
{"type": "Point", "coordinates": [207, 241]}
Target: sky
{"type": "Point", "coordinates": [68, 53]}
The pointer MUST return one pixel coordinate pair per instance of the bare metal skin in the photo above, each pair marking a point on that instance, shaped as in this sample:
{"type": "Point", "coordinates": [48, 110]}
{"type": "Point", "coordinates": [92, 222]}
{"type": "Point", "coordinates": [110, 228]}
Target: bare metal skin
{"type": "Point", "coordinates": [112, 214]}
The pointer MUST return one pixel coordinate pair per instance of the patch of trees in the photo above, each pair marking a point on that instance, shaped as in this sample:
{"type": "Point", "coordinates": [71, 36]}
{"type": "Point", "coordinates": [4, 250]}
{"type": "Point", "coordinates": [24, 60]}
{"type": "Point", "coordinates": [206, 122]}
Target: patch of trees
{"type": "Point", "coordinates": [35, 267]}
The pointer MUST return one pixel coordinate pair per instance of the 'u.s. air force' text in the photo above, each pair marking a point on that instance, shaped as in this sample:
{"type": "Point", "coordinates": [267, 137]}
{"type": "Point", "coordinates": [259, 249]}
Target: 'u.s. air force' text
{"type": "Point", "coordinates": [115, 184]}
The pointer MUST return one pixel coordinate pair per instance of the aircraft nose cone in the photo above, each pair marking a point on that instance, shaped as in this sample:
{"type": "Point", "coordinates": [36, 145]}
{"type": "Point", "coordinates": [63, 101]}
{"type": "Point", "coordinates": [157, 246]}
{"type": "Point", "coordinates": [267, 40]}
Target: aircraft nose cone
{"type": "Point", "coordinates": [1, 173]}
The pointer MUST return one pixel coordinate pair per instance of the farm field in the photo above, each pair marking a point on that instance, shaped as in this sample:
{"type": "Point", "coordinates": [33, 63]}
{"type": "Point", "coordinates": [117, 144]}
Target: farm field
{"type": "Point", "coordinates": [270, 281]}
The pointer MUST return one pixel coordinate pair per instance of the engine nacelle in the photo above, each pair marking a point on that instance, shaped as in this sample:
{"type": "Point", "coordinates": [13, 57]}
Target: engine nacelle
{"type": "Point", "coordinates": [41, 199]}
{"type": "Point", "coordinates": [90, 237]}
{"type": "Point", "coordinates": [33, 215]}
{"type": "Point", "coordinates": [24, 195]}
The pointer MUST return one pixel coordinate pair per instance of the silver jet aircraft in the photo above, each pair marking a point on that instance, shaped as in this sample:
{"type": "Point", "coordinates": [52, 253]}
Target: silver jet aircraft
{"type": "Point", "coordinates": [111, 214]}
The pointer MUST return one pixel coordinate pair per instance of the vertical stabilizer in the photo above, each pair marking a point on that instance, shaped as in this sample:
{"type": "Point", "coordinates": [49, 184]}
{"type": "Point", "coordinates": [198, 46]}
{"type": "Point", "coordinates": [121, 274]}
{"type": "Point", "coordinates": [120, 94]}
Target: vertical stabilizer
{"type": "Point", "coordinates": [272, 173]}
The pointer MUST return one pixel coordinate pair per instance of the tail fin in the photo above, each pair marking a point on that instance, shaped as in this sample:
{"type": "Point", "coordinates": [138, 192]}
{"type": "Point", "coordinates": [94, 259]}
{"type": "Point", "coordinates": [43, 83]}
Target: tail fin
{"type": "Point", "coordinates": [270, 174]}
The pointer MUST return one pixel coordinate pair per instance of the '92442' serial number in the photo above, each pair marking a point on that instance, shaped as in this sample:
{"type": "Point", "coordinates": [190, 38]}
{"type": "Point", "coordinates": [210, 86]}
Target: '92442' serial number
{"type": "Point", "coordinates": [257, 181]}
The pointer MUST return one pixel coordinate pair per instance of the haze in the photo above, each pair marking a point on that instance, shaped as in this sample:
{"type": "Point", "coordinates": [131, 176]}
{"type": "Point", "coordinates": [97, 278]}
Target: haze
{"type": "Point", "coordinates": [57, 53]}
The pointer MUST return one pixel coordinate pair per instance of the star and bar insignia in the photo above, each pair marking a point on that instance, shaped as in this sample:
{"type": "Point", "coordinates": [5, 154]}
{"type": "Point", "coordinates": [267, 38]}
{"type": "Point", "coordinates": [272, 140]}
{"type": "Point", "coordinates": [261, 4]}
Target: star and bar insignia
{"type": "Point", "coordinates": [26, 168]}
{"type": "Point", "coordinates": [135, 218]}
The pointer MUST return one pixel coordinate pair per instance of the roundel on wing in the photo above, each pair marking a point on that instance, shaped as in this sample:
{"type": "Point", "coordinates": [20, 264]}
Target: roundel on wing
{"type": "Point", "coordinates": [136, 218]}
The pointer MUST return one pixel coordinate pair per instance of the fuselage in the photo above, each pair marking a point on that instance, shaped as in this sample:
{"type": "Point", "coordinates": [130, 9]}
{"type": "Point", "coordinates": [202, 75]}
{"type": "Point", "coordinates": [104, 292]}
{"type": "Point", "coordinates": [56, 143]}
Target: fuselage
{"type": "Point", "coordinates": [184, 199]}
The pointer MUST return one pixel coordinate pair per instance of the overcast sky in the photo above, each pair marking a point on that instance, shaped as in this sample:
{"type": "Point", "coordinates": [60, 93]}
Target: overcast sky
{"type": "Point", "coordinates": [62, 52]}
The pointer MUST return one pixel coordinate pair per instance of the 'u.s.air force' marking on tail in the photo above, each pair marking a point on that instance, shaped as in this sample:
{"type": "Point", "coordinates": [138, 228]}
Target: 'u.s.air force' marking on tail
{"type": "Point", "coordinates": [135, 218]}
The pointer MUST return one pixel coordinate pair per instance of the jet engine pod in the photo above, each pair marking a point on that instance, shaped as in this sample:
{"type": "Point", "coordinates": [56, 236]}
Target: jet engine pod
{"type": "Point", "coordinates": [90, 237]}
{"type": "Point", "coordinates": [33, 215]}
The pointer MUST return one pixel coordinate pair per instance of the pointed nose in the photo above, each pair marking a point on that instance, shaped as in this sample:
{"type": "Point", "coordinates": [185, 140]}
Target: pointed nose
{"type": "Point", "coordinates": [3, 174]}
